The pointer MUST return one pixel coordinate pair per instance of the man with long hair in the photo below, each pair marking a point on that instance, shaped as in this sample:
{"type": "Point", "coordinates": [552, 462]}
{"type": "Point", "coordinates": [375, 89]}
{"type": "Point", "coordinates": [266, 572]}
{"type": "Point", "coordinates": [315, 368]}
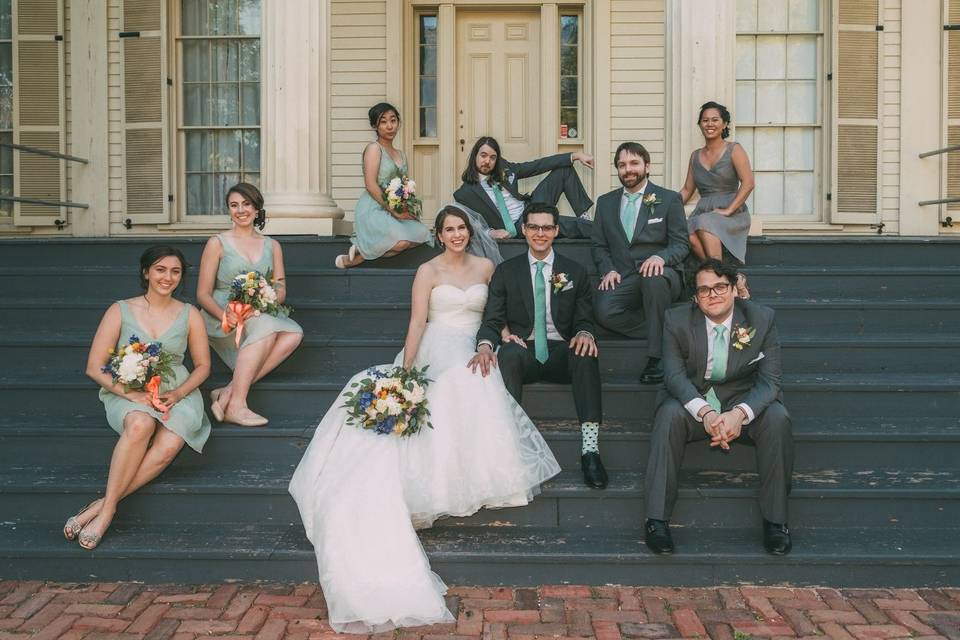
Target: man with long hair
{"type": "Point", "coordinates": [491, 187]}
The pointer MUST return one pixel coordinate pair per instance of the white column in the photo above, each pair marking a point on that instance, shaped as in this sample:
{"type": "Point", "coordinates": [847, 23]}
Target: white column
{"type": "Point", "coordinates": [295, 157]}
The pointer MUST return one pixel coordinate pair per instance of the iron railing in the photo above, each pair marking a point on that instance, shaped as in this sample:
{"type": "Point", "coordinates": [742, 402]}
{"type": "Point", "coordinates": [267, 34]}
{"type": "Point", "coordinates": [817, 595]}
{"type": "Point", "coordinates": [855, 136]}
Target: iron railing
{"type": "Point", "coordinates": [60, 224]}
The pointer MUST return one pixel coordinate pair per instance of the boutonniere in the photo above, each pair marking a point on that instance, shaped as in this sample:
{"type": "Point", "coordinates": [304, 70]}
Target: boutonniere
{"type": "Point", "coordinates": [505, 177]}
{"type": "Point", "coordinates": [651, 201]}
{"type": "Point", "coordinates": [742, 337]}
{"type": "Point", "coordinates": [560, 282]}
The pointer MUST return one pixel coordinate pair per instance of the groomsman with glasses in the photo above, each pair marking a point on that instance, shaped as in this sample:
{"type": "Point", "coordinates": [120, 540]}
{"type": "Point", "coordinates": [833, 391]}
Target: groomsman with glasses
{"type": "Point", "coordinates": [491, 188]}
{"type": "Point", "coordinates": [640, 241]}
{"type": "Point", "coordinates": [721, 356]}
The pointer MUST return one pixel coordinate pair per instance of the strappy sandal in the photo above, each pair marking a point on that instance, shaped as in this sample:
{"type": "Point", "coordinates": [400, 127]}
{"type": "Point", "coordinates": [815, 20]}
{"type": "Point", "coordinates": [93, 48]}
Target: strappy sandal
{"type": "Point", "coordinates": [215, 407]}
{"type": "Point", "coordinates": [339, 261]}
{"type": "Point", "coordinates": [90, 541]}
{"type": "Point", "coordinates": [72, 527]}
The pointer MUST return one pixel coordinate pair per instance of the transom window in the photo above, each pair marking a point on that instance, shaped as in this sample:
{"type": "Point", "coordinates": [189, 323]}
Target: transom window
{"type": "Point", "coordinates": [219, 131]}
{"type": "Point", "coordinates": [570, 76]}
{"type": "Point", "coordinates": [778, 112]}
{"type": "Point", "coordinates": [6, 105]}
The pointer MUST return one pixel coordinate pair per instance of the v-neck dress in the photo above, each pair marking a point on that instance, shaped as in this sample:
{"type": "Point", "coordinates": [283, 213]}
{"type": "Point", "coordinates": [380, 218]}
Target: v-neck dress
{"type": "Point", "coordinates": [374, 230]}
{"type": "Point", "coordinates": [233, 262]}
{"type": "Point", "coordinates": [718, 187]}
{"type": "Point", "coordinates": [187, 418]}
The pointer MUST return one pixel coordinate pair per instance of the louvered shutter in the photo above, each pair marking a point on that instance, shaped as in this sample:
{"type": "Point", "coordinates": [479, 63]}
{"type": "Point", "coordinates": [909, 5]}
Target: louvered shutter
{"type": "Point", "coordinates": [38, 109]}
{"type": "Point", "coordinates": [144, 81]}
{"type": "Point", "coordinates": [856, 112]}
{"type": "Point", "coordinates": [952, 160]}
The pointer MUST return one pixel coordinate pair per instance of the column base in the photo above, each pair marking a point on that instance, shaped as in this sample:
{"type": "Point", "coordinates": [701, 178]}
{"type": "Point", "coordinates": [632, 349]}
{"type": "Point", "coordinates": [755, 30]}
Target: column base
{"type": "Point", "coordinates": [301, 214]}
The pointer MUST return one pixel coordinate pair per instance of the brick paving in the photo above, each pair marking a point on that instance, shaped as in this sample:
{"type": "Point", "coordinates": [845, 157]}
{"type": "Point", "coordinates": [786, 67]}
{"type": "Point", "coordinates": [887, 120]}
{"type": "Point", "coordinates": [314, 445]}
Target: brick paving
{"type": "Point", "coordinates": [128, 611]}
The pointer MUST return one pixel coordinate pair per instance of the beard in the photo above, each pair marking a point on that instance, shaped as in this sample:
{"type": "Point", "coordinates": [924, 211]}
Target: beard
{"type": "Point", "coordinates": [631, 180]}
{"type": "Point", "coordinates": [485, 171]}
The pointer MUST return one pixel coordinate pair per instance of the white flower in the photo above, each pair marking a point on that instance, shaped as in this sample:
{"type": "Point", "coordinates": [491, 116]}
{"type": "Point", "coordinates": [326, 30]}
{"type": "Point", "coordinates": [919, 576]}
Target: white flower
{"type": "Point", "coordinates": [415, 395]}
{"type": "Point", "coordinates": [380, 405]}
{"type": "Point", "coordinates": [385, 383]}
{"type": "Point", "coordinates": [130, 367]}
{"type": "Point", "coordinates": [393, 406]}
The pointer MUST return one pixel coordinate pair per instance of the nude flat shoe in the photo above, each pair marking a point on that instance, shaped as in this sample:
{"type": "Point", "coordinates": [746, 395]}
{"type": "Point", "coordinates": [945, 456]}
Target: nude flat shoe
{"type": "Point", "coordinates": [72, 527]}
{"type": "Point", "coordinates": [251, 420]}
{"type": "Point", "coordinates": [215, 407]}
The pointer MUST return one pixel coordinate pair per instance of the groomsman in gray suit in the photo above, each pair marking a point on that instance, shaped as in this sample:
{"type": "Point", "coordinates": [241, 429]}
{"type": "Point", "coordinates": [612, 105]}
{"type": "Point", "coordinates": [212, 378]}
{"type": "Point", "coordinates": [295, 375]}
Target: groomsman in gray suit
{"type": "Point", "coordinates": [722, 363]}
{"type": "Point", "coordinates": [640, 240]}
{"type": "Point", "coordinates": [491, 188]}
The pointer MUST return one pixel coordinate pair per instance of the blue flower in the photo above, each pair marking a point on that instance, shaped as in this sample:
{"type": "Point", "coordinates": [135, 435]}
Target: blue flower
{"type": "Point", "coordinates": [153, 349]}
{"type": "Point", "coordinates": [134, 339]}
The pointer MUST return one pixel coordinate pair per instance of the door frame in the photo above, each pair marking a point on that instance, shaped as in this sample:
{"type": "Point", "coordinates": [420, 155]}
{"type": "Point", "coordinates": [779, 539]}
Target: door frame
{"type": "Point", "coordinates": [441, 155]}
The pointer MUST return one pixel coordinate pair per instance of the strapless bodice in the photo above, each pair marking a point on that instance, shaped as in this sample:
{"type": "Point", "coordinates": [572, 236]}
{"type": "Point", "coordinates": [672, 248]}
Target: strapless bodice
{"type": "Point", "coordinates": [455, 307]}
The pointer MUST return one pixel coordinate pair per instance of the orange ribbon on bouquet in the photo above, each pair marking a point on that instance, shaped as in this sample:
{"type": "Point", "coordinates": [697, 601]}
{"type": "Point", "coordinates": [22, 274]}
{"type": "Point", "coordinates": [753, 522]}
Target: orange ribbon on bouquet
{"type": "Point", "coordinates": [153, 388]}
{"type": "Point", "coordinates": [243, 311]}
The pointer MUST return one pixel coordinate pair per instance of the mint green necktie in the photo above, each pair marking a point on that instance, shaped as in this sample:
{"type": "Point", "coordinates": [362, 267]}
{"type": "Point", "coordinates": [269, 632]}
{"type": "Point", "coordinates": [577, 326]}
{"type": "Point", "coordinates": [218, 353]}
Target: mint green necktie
{"type": "Point", "coordinates": [719, 369]}
{"type": "Point", "coordinates": [629, 217]}
{"type": "Point", "coordinates": [540, 314]}
{"type": "Point", "coordinates": [504, 212]}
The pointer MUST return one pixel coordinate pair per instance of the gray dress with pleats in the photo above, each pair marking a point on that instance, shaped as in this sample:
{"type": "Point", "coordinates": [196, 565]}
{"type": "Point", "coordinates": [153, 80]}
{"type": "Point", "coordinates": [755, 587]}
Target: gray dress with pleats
{"type": "Point", "coordinates": [718, 187]}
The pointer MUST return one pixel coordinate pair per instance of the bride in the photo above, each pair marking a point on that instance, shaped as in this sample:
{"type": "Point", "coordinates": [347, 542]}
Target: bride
{"type": "Point", "coordinates": [361, 494]}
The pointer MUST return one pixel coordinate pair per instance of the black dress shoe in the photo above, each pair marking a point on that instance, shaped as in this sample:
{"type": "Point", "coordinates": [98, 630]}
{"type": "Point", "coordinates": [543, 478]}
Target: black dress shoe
{"type": "Point", "coordinates": [776, 538]}
{"type": "Point", "coordinates": [653, 372]}
{"type": "Point", "coordinates": [657, 536]}
{"type": "Point", "coordinates": [594, 475]}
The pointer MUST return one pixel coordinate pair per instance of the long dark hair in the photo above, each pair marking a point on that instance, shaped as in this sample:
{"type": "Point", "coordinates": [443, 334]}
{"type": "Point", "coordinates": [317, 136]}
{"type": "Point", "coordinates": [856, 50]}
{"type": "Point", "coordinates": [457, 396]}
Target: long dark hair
{"type": "Point", "coordinates": [450, 210]}
{"type": "Point", "coordinates": [251, 193]}
{"type": "Point", "coordinates": [470, 174]}
{"type": "Point", "coordinates": [724, 115]}
{"type": "Point", "coordinates": [153, 255]}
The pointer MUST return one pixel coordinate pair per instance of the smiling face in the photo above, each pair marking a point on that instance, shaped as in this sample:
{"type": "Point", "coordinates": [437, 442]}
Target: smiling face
{"type": "Point", "coordinates": [540, 232]}
{"type": "Point", "coordinates": [486, 160]}
{"type": "Point", "coordinates": [632, 170]}
{"type": "Point", "coordinates": [388, 125]}
{"type": "Point", "coordinates": [715, 296]}
{"type": "Point", "coordinates": [454, 234]}
{"type": "Point", "coordinates": [712, 124]}
{"type": "Point", "coordinates": [242, 211]}
{"type": "Point", "coordinates": [163, 276]}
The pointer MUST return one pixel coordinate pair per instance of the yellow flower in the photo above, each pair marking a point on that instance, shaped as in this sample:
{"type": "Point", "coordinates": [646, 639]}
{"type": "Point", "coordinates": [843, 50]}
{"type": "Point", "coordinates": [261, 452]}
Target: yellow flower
{"type": "Point", "coordinates": [251, 275]}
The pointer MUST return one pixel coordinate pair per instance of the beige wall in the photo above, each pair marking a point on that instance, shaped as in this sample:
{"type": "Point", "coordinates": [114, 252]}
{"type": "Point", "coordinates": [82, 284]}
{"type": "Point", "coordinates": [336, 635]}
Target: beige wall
{"type": "Point", "coordinates": [115, 119]}
{"type": "Point", "coordinates": [890, 116]}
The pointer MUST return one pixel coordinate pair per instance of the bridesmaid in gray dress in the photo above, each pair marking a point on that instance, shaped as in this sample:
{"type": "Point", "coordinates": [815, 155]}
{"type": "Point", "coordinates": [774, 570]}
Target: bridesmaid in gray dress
{"type": "Point", "coordinates": [148, 442]}
{"type": "Point", "coordinates": [721, 172]}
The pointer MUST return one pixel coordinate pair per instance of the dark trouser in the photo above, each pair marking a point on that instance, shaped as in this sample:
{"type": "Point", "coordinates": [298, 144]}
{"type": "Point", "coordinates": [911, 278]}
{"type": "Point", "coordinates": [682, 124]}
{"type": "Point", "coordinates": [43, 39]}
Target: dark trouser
{"type": "Point", "coordinates": [674, 427]}
{"type": "Point", "coordinates": [565, 181]}
{"type": "Point", "coordinates": [636, 306]}
{"type": "Point", "coordinates": [519, 366]}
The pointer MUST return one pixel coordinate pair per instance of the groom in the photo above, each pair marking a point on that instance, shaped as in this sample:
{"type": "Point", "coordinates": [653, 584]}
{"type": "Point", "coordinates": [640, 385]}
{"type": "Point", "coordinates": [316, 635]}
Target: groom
{"type": "Point", "coordinates": [722, 362]}
{"type": "Point", "coordinates": [544, 299]}
{"type": "Point", "coordinates": [491, 188]}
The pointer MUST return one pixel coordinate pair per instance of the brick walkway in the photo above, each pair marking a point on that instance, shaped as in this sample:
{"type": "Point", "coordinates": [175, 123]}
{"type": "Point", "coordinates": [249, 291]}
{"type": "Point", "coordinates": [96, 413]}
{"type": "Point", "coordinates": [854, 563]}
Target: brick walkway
{"type": "Point", "coordinates": [124, 611]}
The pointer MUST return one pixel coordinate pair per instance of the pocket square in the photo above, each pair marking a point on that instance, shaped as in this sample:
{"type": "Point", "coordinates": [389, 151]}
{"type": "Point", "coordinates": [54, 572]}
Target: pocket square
{"type": "Point", "coordinates": [757, 359]}
{"type": "Point", "coordinates": [654, 220]}
{"type": "Point", "coordinates": [568, 286]}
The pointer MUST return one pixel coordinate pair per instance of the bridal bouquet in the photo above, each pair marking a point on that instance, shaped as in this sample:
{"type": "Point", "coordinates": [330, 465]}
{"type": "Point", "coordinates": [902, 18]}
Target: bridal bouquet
{"type": "Point", "coordinates": [393, 401]}
{"type": "Point", "coordinates": [251, 294]}
{"type": "Point", "coordinates": [400, 194]}
{"type": "Point", "coordinates": [141, 366]}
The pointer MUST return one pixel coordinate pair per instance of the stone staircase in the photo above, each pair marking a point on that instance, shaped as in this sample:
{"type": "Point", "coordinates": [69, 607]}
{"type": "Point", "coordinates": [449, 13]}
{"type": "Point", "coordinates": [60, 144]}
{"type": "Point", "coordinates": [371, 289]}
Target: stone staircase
{"type": "Point", "coordinates": [871, 377]}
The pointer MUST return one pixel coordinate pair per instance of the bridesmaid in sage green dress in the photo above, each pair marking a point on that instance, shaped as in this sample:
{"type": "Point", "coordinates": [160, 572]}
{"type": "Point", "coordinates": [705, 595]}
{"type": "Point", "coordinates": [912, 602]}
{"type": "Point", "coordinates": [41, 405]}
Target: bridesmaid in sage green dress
{"type": "Point", "coordinates": [266, 340]}
{"type": "Point", "coordinates": [148, 443]}
{"type": "Point", "coordinates": [378, 231]}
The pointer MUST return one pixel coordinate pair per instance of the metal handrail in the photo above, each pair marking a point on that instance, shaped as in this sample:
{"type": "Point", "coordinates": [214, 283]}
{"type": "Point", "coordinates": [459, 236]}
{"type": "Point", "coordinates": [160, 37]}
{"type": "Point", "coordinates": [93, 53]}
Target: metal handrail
{"type": "Point", "coordinates": [953, 200]}
{"type": "Point", "coordinates": [46, 203]}
{"type": "Point", "coordinates": [44, 152]}
{"type": "Point", "coordinates": [936, 152]}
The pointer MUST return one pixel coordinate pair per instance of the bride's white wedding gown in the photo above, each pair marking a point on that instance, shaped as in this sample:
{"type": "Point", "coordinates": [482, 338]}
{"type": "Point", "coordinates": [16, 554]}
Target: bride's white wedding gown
{"type": "Point", "coordinates": [361, 494]}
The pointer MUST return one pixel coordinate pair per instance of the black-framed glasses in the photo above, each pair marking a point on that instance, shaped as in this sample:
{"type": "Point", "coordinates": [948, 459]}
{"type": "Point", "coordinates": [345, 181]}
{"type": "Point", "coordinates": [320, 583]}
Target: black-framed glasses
{"type": "Point", "coordinates": [534, 228]}
{"type": "Point", "coordinates": [719, 289]}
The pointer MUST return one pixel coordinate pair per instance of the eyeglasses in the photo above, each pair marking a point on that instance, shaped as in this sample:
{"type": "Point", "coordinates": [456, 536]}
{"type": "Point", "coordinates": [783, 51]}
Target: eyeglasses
{"type": "Point", "coordinates": [720, 289]}
{"type": "Point", "coordinates": [535, 228]}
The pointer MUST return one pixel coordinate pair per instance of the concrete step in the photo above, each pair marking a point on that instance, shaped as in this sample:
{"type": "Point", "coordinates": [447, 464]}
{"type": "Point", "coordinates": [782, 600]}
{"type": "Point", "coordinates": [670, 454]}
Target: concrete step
{"type": "Point", "coordinates": [175, 552]}
{"type": "Point", "coordinates": [257, 492]}
{"type": "Point", "coordinates": [815, 317]}
{"type": "Point", "coordinates": [860, 444]}
{"type": "Point", "coordinates": [65, 354]}
{"type": "Point", "coordinates": [814, 395]}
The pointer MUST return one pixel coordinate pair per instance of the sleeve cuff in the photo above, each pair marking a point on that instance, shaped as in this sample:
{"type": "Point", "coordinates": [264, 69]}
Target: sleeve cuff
{"type": "Point", "coordinates": [694, 406]}
{"type": "Point", "coordinates": [747, 410]}
{"type": "Point", "coordinates": [486, 342]}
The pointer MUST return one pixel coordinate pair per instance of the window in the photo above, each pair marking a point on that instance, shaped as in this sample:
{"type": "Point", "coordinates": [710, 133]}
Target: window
{"type": "Point", "coordinates": [219, 129]}
{"type": "Point", "coordinates": [6, 105]}
{"type": "Point", "coordinates": [570, 76]}
{"type": "Point", "coordinates": [778, 112]}
{"type": "Point", "coordinates": [427, 76]}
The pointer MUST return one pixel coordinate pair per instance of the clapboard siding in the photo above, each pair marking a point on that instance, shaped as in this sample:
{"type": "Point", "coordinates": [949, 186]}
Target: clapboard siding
{"type": "Point", "coordinates": [638, 79]}
{"type": "Point", "coordinates": [890, 115]}
{"type": "Point", "coordinates": [114, 22]}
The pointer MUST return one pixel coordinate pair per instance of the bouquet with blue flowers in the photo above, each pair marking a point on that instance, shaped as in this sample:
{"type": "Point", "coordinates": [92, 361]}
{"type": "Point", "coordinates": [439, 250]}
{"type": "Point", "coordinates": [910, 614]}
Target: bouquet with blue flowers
{"type": "Point", "coordinates": [390, 401]}
{"type": "Point", "coordinates": [141, 366]}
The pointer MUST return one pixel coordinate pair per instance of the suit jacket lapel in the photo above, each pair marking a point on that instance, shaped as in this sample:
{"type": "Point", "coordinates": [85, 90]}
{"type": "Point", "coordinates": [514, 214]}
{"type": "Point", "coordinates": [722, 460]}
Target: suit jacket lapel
{"type": "Point", "coordinates": [698, 348]}
{"type": "Point", "coordinates": [526, 286]}
{"type": "Point", "coordinates": [643, 211]}
{"type": "Point", "coordinates": [552, 291]}
{"type": "Point", "coordinates": [485, 200]}
{"type": "Point", "coordinates": [734, 356]}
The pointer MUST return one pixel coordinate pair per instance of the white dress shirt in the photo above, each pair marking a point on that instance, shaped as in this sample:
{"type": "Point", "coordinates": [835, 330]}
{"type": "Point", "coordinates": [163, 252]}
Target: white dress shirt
{"type": "Point", "coordinates": [514, 206]}
{"type": "Point", "coordinates": [697, 404]}
{"type": "Point", "coordinates": [552, 333]}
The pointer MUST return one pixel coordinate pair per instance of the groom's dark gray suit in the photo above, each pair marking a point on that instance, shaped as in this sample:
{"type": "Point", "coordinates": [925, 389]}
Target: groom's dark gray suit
{"type": "Point", "coordinates": [752, 378]}
{"type": "Point", "coordinates": [635, 307]}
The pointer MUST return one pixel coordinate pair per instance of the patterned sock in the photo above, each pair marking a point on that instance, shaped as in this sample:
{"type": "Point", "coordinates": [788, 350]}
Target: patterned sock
{"type": "Point", "coordinates": [589, 433]}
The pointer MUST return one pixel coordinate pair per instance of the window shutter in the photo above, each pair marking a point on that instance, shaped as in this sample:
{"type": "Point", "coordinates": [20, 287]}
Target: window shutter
{"type": "Point", "coordinates": [856, 112]}
{"type": "Point", "coordinates": [145, 107]}
{"type": "Point", "coordinates": [952, 159]}
{"type": "Point", "coordinates": [38, 109]}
